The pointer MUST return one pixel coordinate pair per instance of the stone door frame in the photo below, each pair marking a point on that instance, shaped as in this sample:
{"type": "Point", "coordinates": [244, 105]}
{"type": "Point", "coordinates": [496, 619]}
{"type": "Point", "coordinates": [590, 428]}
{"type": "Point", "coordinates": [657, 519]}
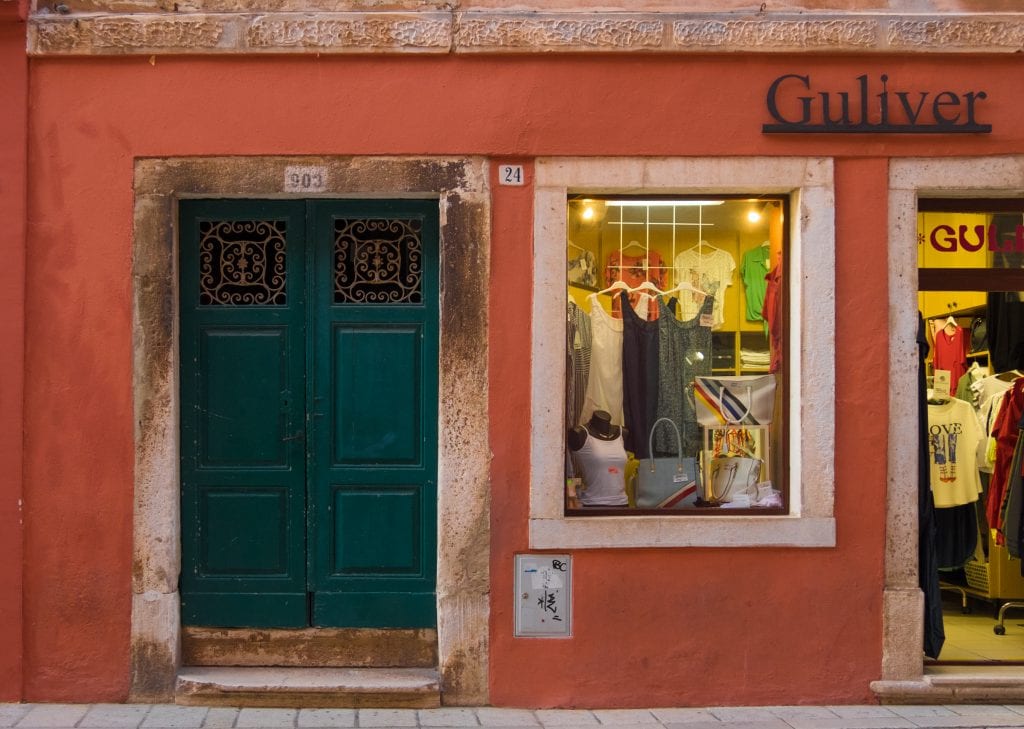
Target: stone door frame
{"type": "Point", "coordinates": [463, 579]}
{"type": "Point", "coordinates": [902, 674]}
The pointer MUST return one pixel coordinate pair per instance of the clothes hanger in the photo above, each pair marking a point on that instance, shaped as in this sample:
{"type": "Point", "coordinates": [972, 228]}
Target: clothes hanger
{"type": "Point", "coordinates": [634, 244]}
{"type": "Point", "coordinates": [684, 286]}
{"type": "Point", "coordinates": [579, 248]}
{"type": "Point", "coordinates": [619, 285]}
{"type": "Point", "coordinates": [647, 288]}
{"type": "Point", "coordinates": [699, 244]}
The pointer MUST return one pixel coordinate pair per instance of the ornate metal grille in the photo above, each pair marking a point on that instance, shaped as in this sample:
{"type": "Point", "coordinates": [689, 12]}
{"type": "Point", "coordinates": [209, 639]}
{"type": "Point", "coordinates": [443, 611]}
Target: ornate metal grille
{"type": "Point", "coordinates": [242, 262]}
{"type": "Point", "coordinates": [378, 261]}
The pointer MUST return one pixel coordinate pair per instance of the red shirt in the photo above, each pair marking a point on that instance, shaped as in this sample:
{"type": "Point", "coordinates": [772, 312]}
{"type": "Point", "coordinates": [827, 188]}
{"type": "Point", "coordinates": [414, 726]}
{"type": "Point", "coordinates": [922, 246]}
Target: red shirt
{"type": "Point", "coordinates": [951, 354]}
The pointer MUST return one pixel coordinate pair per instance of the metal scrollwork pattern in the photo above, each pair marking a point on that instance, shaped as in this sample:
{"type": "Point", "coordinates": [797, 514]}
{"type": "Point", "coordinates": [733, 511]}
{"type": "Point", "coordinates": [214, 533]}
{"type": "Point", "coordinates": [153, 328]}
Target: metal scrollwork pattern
{"type": "Point", "coordinates": [378, 261]}
{"type": "Point", "coordinates": [242, 262]}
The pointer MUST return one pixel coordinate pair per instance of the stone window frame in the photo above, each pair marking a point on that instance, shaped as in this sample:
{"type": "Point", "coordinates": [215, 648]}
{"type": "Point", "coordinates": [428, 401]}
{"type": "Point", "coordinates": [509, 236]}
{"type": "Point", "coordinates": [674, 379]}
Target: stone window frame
{"type": "Point", "coordinates": [809, 182]}
{"type": "Point", "coordinates": [461, 186]}
{"type": "Point", "coordinates": [910, 179]}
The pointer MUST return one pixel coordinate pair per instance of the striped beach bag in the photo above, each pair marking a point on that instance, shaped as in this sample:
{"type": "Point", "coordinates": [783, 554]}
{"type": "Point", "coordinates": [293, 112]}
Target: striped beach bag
{"type": "Point", "coordinates": [734, 400]}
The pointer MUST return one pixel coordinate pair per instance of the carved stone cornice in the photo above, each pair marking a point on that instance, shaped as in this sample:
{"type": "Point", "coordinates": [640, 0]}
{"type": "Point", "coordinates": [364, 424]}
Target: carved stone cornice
{"type": "Point", "coordinates": [775, 35]}
{"type": "Point", "coordinates": [481, 32]}
{"type": "Point", "coordinates": [961, 35]}
{"type": "Point", "coordinates": [365, 32]}
{"type": "Point", "coordinates": [493, 31]}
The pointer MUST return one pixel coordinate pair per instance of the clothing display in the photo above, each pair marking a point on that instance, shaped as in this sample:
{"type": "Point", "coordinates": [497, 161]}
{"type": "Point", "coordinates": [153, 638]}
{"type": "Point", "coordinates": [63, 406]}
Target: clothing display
{"type": "Point", "coordinates": [708, 269]}
{"type": "Point", "coordinates": [633, 270]}
{"type": "Point", "coordinates": [577, 370]}
{"type": "Point", "coordinates": [951, 353]}
{"type": "Point", "coordinates": [773, 316]}
{"type": "Point", "coordinates": [684, 351]}
{"type": "Point", "coordinates": [1005, 432]}
{"type": "Point", "coordinates": [928, 574]}
{"type": "Point", "coordinates": [603, 463]}
{"type": "Point", "coordinates": [604, 382]}
{"type": "Point", "coordinates": [664, 310]}
{"type": "Point", "coordinates": [753, 269]}
{"type": "Point", "coordinates": [582, 269]}
{"type": "Point", "coordinates": [1005, 331]}
{"type": "Point", "coordinates": [953, 436]}
{"type": "Point", "coordinates": [639, 377]}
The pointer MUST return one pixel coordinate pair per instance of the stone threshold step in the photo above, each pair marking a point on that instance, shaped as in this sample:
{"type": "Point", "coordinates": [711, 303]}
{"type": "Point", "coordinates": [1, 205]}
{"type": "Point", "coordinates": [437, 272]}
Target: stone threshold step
{"type": "Point", "coordinates": [417, 688]}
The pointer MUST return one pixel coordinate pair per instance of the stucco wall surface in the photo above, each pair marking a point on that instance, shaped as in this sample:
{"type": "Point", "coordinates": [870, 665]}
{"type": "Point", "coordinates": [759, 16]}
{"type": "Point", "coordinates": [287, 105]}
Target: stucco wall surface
{"type": "Point", "coordinates": [13, 134]}
{"type": "Point", "coordinates": [651, 626]}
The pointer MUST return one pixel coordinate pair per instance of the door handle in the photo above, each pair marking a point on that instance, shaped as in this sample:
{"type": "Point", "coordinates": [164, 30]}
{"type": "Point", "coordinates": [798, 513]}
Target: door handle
{"type": "Point", "coordinates": [297, 436]}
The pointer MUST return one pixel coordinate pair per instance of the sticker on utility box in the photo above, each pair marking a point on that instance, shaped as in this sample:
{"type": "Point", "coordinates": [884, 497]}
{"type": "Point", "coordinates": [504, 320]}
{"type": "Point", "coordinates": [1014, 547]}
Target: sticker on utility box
{"type": "Point", "coordinates": [543, 595]}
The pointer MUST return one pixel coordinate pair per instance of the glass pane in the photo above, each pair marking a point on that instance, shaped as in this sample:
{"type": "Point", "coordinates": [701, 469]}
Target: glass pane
{"type": "Point", "coordinates": [674, 354]}
{"type": "Point", "coordinates": [242, 262]}
{"type": "Point", "coordinates": [377, 261]}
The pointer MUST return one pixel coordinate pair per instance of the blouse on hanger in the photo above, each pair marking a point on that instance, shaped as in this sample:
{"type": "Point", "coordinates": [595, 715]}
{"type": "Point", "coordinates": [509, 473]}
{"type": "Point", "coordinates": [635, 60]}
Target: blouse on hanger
{"type": "Point", "coordinates": [951, 354]}
{"type": "Point", "coordinates": [633, 271]}
{"type": "Point", "coordinates": [604, 383]}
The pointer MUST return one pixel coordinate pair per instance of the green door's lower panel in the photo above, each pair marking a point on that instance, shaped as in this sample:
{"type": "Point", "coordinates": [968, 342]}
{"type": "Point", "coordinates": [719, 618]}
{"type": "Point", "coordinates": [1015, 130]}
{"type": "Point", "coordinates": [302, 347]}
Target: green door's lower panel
{"type": "Point", "coordinates": [375, 609]}
{"type": "Point", "coordinates": [245, 610]}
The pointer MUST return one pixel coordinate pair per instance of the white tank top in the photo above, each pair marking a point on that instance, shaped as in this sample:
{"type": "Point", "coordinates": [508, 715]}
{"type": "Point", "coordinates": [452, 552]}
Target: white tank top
{"type": "Point", "coordinates": [603, 463]}
{"type": "Point", "coordinates": [604, 385]}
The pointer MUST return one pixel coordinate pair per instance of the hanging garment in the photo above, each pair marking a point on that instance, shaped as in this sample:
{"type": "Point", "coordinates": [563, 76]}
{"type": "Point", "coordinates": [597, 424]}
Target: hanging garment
{"type": "Point", "coordinates": [603, 463]}
{"type": "Point", "coordinates": [633, 271]}
{"type": "Point", "coordinates": [928, 573]}
{"type": "Point", "coordinates": [639, 377]}
{"type": "Point", "coordinates": [956, 536]}
{"type": "Point", "coordinates": [951, 354]}
{"type": "Point", "coordinates": [753, 269]}
{"type": "Point", "coordinates": [708, 269]}
{"type": "Point", "coordinates": [953, 436]}
{"type": "Point", "coordinates": [1013, 502]}
{"type": "Point", "coordinates": [684, 351]}
{"type": "Point", "coordinates": [1005, 433]}
{"type": "Point", "coordinates": [773, 316]}
{"type": "Point", "coordinates": [604, 381]}
{"type": "Point", "coordinates": [577, 370]}
{"type": "Point", "coordinates": [1005, 331]}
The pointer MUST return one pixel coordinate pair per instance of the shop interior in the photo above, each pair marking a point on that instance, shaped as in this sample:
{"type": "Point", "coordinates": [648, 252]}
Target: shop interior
{"type": "Point", "coordinates": [971, 273]}
{"type": "Point", "coordinates": [674, 311]}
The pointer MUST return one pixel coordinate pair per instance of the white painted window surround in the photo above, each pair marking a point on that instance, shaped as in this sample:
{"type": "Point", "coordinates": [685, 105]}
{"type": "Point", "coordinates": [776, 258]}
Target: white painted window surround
{"type": "Point", "coordinates": [811, 349]}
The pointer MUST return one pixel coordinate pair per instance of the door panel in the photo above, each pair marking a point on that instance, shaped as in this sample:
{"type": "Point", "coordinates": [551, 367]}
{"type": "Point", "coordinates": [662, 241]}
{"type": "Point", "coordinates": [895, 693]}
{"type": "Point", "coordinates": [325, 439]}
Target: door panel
{"type": "Point", "coordinates": [309, 344]}
{"type": "Point", "coordinates": [373, 509]}
{"type": "Point", "coordinates": [240, 410]}
{"type": "Point", "coordinates": [377, 399]}
{"type": "Point", "coordinates": [241, 531]}
{"type": "Point", "coordinates": [243, 472]}
{"type": "Point", "coordinates": [381, 525]}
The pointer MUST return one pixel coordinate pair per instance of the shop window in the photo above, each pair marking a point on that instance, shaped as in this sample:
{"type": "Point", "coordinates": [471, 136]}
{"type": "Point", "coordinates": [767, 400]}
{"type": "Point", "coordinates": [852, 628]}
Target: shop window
{"type": "Point", "coordinates": [583, 208]}
{"type": "Point", "coordinates": [675, 373]}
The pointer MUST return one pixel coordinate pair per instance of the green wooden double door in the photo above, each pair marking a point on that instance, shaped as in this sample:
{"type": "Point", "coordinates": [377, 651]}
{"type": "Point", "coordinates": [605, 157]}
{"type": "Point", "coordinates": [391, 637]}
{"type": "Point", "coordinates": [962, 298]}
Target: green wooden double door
{"type": "Point", "coordinates": [309, 337]}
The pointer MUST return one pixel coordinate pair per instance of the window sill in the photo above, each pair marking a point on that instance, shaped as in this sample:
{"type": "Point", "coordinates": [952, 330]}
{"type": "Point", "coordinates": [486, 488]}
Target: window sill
{"type": "Point", "coordinates": [607, 532]}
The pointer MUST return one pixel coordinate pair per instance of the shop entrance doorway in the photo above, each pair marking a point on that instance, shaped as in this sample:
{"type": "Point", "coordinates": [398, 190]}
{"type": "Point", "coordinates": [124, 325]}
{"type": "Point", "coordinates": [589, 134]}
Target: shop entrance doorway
{"type": "Point", "coordinates": [309, 350]}
{"type": "Point", "coordinates": [971, 281]}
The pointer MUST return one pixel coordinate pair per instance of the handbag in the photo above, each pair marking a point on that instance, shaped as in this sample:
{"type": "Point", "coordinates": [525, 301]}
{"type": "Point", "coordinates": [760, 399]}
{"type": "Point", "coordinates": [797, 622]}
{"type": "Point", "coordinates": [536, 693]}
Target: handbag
{"type": "Point", "coordinates": [736, 400]}
{"type": "Point", "coordinates": [731, 476]}
{"type": "Point", "coordinates": [666, 483]}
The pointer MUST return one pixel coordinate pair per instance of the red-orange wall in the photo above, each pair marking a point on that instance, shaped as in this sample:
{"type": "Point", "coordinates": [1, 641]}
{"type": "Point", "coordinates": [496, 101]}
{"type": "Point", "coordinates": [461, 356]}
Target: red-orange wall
{"type": "Point", "coordinates": [13, 135]}
{"type": "Point", "coordinates": [681, 626]}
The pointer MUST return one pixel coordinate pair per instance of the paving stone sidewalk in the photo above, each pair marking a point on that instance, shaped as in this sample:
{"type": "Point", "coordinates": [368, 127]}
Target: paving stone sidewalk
{"type": "Point", "coordinates": [168, 716]}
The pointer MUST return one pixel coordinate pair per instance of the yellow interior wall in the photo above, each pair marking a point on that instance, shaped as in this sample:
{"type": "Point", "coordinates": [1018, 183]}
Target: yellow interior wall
{"type": "Point", "coordinates": [942, 303]}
